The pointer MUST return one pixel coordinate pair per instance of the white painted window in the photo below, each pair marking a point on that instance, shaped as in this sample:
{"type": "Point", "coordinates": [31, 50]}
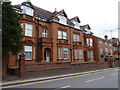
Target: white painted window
{"type": "Point", "coordinates": [44, 33]}
{"type": "Point", "coordinates": [63, 20]}
{"type": "Point", "coordinates": [76, 25]}
{"type": "Point", "coordinates": [28, 29]}
{"type": "Point", "coordinates": [91, 42]}
{"type": "Point", "coordinates": [64, 35]}
{"type": "Point", "coordinates": [59, 34]}
{"type": "Point", "coordinates": [27, 10]}
{"type": "Point", "coordinates": [80, 54]}
{"type": "Point", "coordinates": [76, 38]}
{"type": "Point", "coordinates": [101, 51]}
{"type": "Point", "coordinates": [90, 54]}
{"type": "Point", "coordinates": [65, 53]}
{"type": "Point", "coordinates": [76, 54]}
{"type": "Point", "coordinates": [106, 51]}
{"type": "Point", "coordinates": [60, 53]}
{"type": "Point", "coordinates": [28, 52]}
{"type": "Point", "coordinates": [111, 52]}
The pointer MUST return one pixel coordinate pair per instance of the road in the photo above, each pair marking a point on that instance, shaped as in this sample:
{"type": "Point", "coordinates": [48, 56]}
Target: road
{"type": "Point", "coordinates": [106, 79]}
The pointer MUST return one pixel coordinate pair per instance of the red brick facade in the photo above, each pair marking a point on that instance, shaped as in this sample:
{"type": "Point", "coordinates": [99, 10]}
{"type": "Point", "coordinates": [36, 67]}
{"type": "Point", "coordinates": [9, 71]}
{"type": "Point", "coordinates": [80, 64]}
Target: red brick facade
{"type": "Point", "coordinates": [53, 41]}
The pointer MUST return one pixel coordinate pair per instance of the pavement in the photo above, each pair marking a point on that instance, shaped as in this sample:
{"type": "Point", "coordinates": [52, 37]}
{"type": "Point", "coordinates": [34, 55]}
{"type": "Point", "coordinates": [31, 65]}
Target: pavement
{"type": "Point", "coordinates": [18, 83]}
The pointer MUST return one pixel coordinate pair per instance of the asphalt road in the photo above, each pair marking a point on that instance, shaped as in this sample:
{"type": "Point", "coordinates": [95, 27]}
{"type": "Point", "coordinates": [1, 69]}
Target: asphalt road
{"type": "Point", "coordinates": [106, 79]}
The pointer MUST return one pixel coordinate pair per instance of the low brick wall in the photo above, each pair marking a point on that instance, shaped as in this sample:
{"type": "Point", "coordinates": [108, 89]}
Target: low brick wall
{"type": "Point", "coordinates": [51, 69]}
{"type": "Point", "coordinates": [46, 66]}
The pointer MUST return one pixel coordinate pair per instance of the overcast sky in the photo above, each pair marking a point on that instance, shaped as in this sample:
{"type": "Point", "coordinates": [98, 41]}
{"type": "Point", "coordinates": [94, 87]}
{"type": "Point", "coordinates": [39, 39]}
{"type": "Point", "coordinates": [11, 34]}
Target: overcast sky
{"type": "Point", "coordinates": [101, 15]}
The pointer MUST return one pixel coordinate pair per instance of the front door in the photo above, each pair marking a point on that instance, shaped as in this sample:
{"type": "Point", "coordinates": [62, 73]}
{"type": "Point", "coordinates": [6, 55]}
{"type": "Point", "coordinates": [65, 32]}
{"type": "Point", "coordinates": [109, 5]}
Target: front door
{"type": "Point", "coordinates": [47, 54]}
{"type": "Point", "coordinates": [85, 56]}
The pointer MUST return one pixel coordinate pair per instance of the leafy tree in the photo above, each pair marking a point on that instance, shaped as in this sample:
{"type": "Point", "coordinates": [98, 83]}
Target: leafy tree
{"type": "Point", "coordinates": [11, 30]}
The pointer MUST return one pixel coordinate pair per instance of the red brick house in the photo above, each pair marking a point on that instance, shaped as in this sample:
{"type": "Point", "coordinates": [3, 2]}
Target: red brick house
{"type": "Point", "coordinates": [51, 37]}
{"type": "Point", "coordinates": [102, 47]}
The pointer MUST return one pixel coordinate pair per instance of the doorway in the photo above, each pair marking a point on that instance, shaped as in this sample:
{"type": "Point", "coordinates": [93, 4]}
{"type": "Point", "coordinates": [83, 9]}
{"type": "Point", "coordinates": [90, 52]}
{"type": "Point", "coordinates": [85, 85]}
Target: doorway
{"type": "Point", "coordinates": [47, 54]}
{"type": "Point", "coordinates": [85, 56]}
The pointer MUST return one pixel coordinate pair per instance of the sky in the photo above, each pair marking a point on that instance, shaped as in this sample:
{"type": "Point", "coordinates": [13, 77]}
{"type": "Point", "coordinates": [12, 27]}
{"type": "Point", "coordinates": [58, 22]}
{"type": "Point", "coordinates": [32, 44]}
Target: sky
{"type": "Point", "coordinates": [101, 15]}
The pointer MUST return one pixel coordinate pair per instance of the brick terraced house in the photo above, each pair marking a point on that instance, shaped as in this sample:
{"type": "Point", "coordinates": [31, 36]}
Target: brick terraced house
{"type": "Point", "coordinates": [102, 47]}
{"type": "Point", "coordinates": [51, 37]}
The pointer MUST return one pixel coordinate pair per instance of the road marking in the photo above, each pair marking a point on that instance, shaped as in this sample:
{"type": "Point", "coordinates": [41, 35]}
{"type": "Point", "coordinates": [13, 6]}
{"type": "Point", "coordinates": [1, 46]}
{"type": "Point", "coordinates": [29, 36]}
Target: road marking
{"type": "Point", "coordinates": [90, 80]}
{"type": "Point", "coordinates": [114, 74]}
{"type": "Point", "coordinates": [45, 81]}
{"type": "Point", "coordinates": [11, 86]}
{"type": "Point", "coordinates": [100, 78]}
{"type": "Point", "coordinates": [66, 86]}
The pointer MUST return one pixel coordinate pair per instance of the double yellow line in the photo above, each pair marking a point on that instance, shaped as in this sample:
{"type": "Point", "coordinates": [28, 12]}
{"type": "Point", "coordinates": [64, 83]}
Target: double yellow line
{"type": "Point", "coordinates": [66, 77]}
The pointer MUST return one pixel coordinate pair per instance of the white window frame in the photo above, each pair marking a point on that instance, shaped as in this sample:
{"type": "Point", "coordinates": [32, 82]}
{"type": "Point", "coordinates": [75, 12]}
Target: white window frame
{"type": "Point", "coordinates": [59, 34]}
{"type": "Point", "coordinates": [27, 10]}
{"type": "Point", "coordinates": [28, 50]}
{"type": "Point", "coordinates": [64, 35]}
{"type": "Point", "coordinates": [44, 33]}
{"type": "Point", "coordinates": [111, 52]}
{"type": "Point", "coordinates": [76, 38]}
{"type": "Point", "coordinates": [28, 29]}
{"type": "Point", "coordinates": [91, 42]}
{"type": "Point", "coordinates": [106, 51]}
{"type": "Point", "coordinates": [90, 54]}
{"type": "Point", "coordinates": [65, 53]}
{"type": "Point", "coordinates": [60, 53]}
{"type": "Point", "coordinates": [80, 52]}
{"type": "Point", "coordinates": [62, 19]}
{"type": "Point", "coordinates": [76, 54]}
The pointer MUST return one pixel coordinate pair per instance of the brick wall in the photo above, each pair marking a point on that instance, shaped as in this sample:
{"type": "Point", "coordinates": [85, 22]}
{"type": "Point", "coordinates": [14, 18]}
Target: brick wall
{"type": "Point", "coordinates": [46, 66]}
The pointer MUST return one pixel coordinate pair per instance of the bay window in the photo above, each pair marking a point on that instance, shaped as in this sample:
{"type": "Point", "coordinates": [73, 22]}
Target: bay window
{"type": "Point", "coordinates": [60, 53]}
{"type": "Point", "coordinates": [78, 54]}
{"type": "Point", "coordinates": [28, 52]}
{"type": "Point", "coordinates": [59, 34]}
{"type": "Point", "coordinates": [89, 42]}
{"type": "Point", "coordinates": [62, 35]}
{"type": "Point", "coordinates": [65, 53]}
{"type": "Point", "coordinates": [28, 29]}
{"type": "Point", "coordinates": [76, 38]}
{"type": "Point", "coordinates": [90, 54]}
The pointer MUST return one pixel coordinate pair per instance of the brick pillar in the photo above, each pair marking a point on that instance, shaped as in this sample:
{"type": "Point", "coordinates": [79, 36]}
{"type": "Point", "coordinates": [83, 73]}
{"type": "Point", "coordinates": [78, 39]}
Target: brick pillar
{"type": "Point", "coordinates": [4, 67]}
{"type": "Point", "coordinates": [22, 68]}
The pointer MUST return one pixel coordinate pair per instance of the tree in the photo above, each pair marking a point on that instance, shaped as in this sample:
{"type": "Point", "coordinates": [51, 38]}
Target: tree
{"type": "Point", "coordinates": [11, 30]}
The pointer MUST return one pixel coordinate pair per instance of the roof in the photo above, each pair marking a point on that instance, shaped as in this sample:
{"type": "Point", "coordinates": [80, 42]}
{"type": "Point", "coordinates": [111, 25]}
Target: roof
{"type": "Point", "coordinates": [75, 18]}
{"type": "Point", "coordinates": [42, 13]}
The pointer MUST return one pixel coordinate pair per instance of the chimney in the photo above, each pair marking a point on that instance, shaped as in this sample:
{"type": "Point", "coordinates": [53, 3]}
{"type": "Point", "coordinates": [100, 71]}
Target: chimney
{"type": "Point", "coordinates": [106, 37]}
